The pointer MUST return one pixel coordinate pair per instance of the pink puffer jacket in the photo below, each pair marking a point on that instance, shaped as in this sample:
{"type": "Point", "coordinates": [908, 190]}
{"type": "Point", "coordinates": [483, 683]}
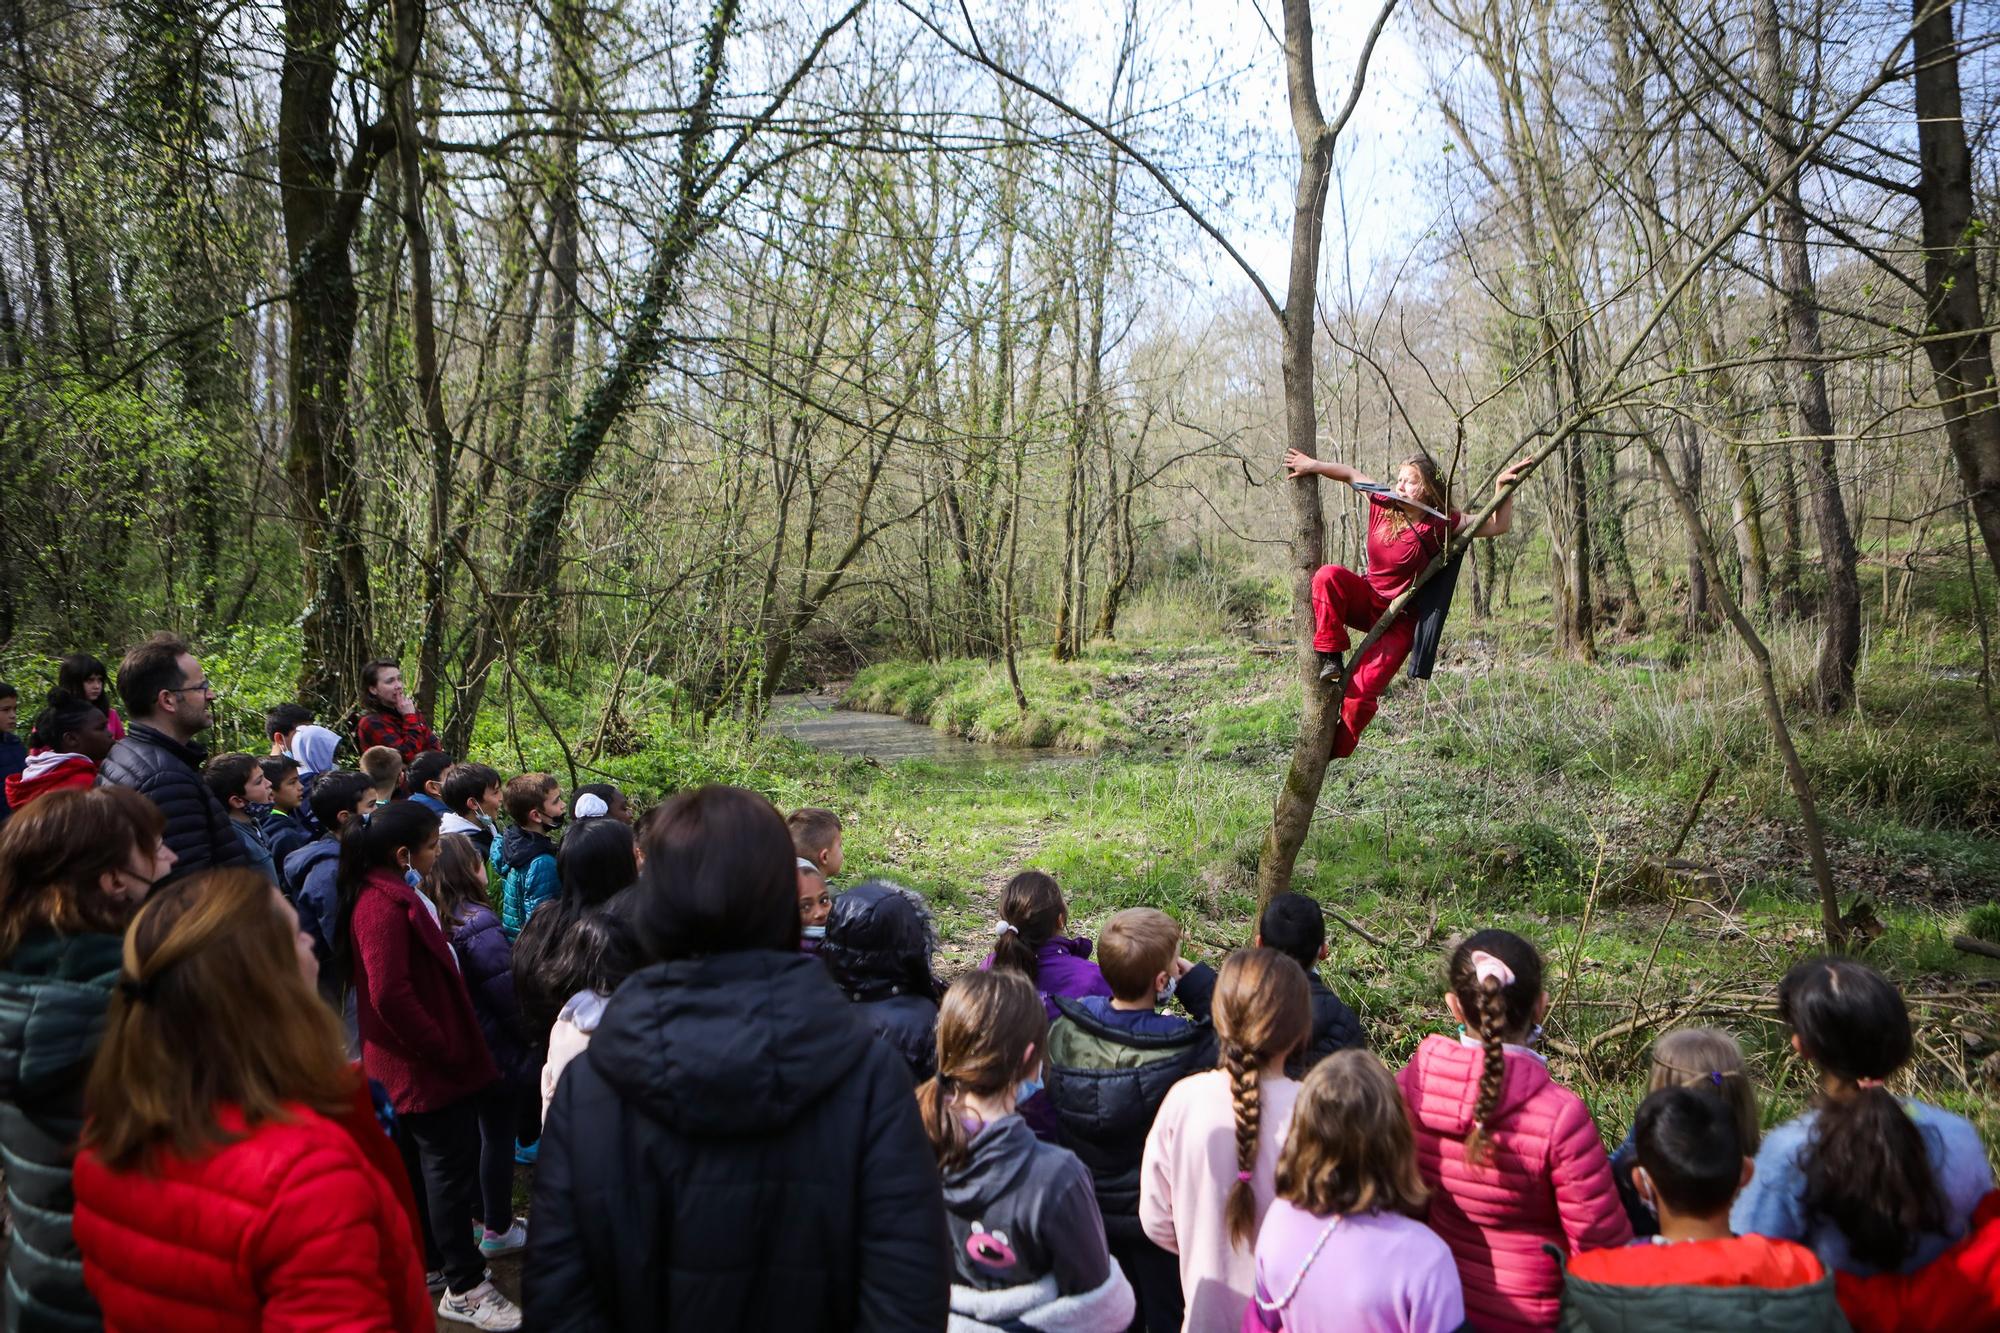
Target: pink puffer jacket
{"type": "Point", "coordinates": [1545, 1179]}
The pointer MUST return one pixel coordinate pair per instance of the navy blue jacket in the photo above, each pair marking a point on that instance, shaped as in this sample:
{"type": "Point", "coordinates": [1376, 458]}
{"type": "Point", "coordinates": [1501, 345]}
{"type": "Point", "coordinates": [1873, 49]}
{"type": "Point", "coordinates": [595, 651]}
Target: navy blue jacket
{"type": "Point", "coordinates": [311, 881]}
{"type": "Point", "coordinates": [285, 834]}
{"type": "Point", "coordinates": [13, 758]}
{"type": "Point", "coordinates": [486, 960]}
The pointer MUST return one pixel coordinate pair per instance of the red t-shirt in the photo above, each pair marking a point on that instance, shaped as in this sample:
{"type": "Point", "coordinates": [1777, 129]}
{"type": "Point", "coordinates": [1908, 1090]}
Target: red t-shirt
{"type": "Point", "coordinates": [1396, 558]}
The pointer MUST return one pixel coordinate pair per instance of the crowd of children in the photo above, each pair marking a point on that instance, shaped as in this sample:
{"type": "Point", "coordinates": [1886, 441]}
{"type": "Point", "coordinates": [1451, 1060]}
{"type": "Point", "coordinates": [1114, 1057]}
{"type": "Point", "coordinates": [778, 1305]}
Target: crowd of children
{"type": "Point", "coordinates": [293, 1090]}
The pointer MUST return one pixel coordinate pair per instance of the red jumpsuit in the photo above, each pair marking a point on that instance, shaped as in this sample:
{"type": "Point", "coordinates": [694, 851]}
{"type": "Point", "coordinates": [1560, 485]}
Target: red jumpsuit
{"type": "Point", "coordinates": [1343, 598]}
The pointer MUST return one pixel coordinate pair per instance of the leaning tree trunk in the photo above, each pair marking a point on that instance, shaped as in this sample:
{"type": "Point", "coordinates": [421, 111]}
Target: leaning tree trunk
{"type": "Point", "coordinates": [1840, 633]}
{"type": "Point", "coordinates": [1962, 353]}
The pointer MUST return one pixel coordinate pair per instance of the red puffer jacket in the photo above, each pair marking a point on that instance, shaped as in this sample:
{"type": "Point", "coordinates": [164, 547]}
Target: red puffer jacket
{"type": "Point", "coordinates": [1545, 1179]}
{"type": "Point", "coordinates": [301, 1224]}
{"type": "Point", "coordinates": [1957, 1292]}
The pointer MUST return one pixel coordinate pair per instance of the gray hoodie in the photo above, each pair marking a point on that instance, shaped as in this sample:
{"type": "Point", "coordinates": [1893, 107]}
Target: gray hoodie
{"type": "Point", "coordinates": [1019, 1210]}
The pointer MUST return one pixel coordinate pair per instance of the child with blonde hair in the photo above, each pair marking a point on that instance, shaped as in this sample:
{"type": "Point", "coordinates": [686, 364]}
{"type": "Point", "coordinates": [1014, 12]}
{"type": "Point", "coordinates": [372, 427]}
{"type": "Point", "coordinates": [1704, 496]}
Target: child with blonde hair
{"type": "Point", "coordinates": [1706, 1059]}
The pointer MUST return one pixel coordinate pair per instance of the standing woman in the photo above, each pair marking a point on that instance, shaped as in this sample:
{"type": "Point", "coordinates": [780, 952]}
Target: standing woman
{"type": "Point", "coordinates": [1402, 540]}
{"type": "Point", "coordinates": [74, 867]}
{"type": "Point", "coordinates": [84, 676]}
{"type": "Point", "coordinates": [233, 1175]}
{"type": "Point", "coordinates": [420, 1040]}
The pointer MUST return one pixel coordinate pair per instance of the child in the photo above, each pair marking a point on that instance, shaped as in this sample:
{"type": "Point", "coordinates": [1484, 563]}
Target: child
{"type": "Point", "coordinates": [471, 796]}
{"type": "Point", "coordinates": [85, 677]}
{"type": "Point", "coordinates": [1033, 917]}
{"type": "Point", "coordinates": [1513, 1160]}
{"type": "Point", "coordinates": [13, 750]}
{"type": "Point", "coordinates": [816, 837]}
{"type": "Point", "coordinates": [1697, 1273]}
{"type": "Point", "coordinates": [282, 723]}
{"type": "Point", "coordinates": [1872, 1182]}
{"type": "Point", "coordinates": [1340, 1248]}
{"type": "Point", "coordinates": [1708, 1060]}
{"type": "Point", "coordinates": [65, 746]}
{"type": "Point", "coordinates": [239, 783]}
{"type": "Point", "coordinates": [1027, 1245]}
{"type": "Point", "coordinates": [420, 1039]}
{"type": "Point", "coordinates": [597, 863]}
{"type": "Point", "coordinates": [285, 831]}
{"type": "Point", "coordinates": [1111, 1062]}
{"type": "Point", "coordinates": [312, 872]}
{"type": "Point", "coordinates": [457, 885]}
{"type": "Point", "coordinates": [1212, 1156]}
{"type": "Point", "coordinates": [528, 876]}
{"type": "Point", "coordinates": [601, 800]}
{"type": "Point", "coordinates": [814, 906]}
{"type": "Point", "coordinates": [878, 946]}
{"type": "Point", "coordinates": [384, 767]}
{"type": "Point", "coordinates": [1295, 926]}
{"type": "Point", "coordinates": [425, 778]}
{"type": "Point", "coordinates": [594, 955]}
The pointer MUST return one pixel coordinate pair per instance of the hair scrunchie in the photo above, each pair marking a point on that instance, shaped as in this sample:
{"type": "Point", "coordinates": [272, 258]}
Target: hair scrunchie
{"type": "Point", "coordinates": [1485, 967]}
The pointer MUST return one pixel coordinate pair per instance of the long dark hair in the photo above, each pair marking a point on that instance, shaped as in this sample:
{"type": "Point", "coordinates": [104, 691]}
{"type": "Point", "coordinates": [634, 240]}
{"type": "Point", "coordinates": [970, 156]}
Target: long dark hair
{"type": "Point", "coordinates": [77, 668]}
{"type": "Point", "coordinates": [1031, 911]}
{"type": "Point", "coordinates": [1493, 1011]}
{"type": "Point", "coordinates": [456, 881]}
{"type": "Point", "coordinates": [720, 877]}
{"type": "Point", "coordinates": [595, 863]}
{"type": "Point", "coordinates": [364, 847]}
{"type": "Point", "coordinates": [1865, 1164]}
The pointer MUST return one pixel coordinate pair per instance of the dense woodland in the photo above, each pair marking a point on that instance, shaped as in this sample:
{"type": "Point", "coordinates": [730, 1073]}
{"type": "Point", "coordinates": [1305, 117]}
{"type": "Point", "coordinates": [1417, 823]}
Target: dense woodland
{"type": "Point", "coordinates": [705, 349]}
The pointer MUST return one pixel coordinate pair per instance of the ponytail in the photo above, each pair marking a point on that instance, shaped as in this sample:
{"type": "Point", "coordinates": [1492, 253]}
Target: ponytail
{"type": "Point", "coordinates": [1867, 1168]}
{"type": "Point", "coordinates": [1246, 1101]}
{"type": "Point", "coordinates": [950, 1140]}
{"type": "Point", "coordinates": [1497, 977]}
{"type": "Point", "coordinates": [1031, 912]}
{"type": "Point", "coordinates": [987, 1026]}
{"type": "Point", "coordinates": [1263, 1012]}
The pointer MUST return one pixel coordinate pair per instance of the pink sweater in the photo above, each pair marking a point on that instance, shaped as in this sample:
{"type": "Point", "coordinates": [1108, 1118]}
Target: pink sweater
{"type": "Point", "coordinates": [1184, 1181]}
{"type": "Point", "coordinates": [1545, 1178]}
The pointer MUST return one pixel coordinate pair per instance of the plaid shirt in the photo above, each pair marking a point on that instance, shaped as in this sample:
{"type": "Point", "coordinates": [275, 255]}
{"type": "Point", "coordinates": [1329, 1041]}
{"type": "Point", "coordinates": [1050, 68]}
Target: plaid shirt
{"type": "Point", "coordinates": [409, 736]}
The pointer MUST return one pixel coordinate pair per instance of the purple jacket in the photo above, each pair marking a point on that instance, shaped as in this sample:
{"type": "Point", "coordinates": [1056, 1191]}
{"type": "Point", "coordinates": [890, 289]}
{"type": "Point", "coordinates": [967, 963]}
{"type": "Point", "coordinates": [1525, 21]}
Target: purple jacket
{"type": "Point", "coordinates": [1065, 970]}
{"type": "Point", "coordinates": [486, 960]}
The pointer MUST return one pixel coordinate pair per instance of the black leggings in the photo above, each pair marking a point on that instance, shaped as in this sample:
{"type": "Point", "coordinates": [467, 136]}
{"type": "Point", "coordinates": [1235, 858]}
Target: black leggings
{"type": "Point", "coordinates": [499, 1116]}
{"type": "Point", "coordinates": [441, 1150]}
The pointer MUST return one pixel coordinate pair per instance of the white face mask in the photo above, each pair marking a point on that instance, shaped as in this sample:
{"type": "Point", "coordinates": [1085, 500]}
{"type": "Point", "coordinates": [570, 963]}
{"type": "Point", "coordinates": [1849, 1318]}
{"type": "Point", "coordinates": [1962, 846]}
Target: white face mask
{"type": "Point", "coordinates": [1168, 994]}
{"type": "Point", "coordinates": [813, 932]}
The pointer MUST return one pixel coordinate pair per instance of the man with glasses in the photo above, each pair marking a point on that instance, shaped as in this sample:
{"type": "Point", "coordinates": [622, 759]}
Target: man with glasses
{"type": "Point", "coordinates": [167, 698]}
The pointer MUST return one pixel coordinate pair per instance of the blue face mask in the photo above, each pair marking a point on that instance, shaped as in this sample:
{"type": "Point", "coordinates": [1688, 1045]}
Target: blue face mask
{"type": "Point", "coordinates": [1168, 994]}
{"type": "Point", "coordinates": [1027, 1088]}
{"type": "Point", "coordinates": [813, 932]}
{"type": "Point", "coordinates": [413, 879]}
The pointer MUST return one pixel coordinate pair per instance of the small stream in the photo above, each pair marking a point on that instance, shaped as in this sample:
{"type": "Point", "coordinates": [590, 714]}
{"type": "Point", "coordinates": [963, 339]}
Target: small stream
{"type": "Point", "coordinates": [818, 720]}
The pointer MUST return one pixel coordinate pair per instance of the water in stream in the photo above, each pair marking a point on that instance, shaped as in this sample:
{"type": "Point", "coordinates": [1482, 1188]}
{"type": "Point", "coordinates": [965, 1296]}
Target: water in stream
{"type": "Point", "coordinates": [816, 720]}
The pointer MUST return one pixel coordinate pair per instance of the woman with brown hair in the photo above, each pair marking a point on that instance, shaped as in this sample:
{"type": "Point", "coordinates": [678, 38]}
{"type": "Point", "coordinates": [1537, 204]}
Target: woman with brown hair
{"type": "Point", "coordinates": [1410, 524]}
{"type": "Point", "coordinates": [1341, 1247]}
{"type": "Point", "coordinates": [1211, 1158]}
{"type": "Point", "coordinates": [222, 1094]}
{"type": "Point", "coordinates": [74, 866]}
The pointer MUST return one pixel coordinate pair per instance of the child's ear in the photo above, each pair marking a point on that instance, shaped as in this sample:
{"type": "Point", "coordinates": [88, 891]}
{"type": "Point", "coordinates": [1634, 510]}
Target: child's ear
{"type": "Point", "coordinates": [1457, 1009]}
{"type": "Point", "coordinates": [1542, 1007]}
{"type": "Point", "coordinates": [1324, 950]}
{"type": "Point", "coordinates": [1257, 940]}
{"type": "Point", "coordinates": [1749, 1170]}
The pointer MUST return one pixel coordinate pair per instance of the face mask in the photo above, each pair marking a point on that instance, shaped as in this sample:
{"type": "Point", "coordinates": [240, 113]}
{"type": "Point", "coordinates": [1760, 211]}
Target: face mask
{"type": "Point", "coordinates": [1027, 1088]}
{"type": "Point", "coordinates": [1168, 993]}
{"type": "Point", "coordinates": [413, 879]}
{"type": "Point", "coordinates": [258, 809]}
{"type": "Point", "coordinates": [556, 823]}
{"type": "Point", "coordinates": [813, 932]}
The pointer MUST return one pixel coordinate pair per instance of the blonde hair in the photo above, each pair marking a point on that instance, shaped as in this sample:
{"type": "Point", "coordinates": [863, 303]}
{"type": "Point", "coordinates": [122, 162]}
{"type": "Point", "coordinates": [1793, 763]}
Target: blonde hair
{"type": "Point", "coordinates": [384, 766]}
{"type": "Point", "coordinates": [1434, 495]}
{"type": "Point", "coordinates": [1263, 1012]}
{"type": "Point", "coordinates": [1709, 1058]}
{"type": "Point", "coordinates": [986, 1026]}
{"type": "Point", "coordinates": [1137, 945]}
{"type": "Point", "coordinates": [1350, 1148]}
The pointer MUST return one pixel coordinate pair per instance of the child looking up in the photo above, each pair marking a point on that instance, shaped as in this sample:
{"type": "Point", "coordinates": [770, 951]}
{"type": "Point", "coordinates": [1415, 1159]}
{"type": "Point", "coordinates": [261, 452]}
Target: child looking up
{"type": "Point", "coordinates": [1340, 1248]}
{"type": "Point", "coordinates": [1707, 1060]}
{"type": "Point", "coordinates": [239, 783]}
{"type": "Point", "coordinates": [1690, 1166]}
{"type": "Point", "coordinates": [1212, 1156]}
{"type": "Point", "coordinates": [285, 829]}
{"type": "Point", "coordinates": [528, 876]}
{"type": "Point", "coordinates": [1027, 1245]}
{"type": "Point", "coordinates": [1033, 917]}
{"type": "Point", "coordinates": [1111, 1061]}
{"type": "Point", "coordinates": [1871, 1181]}
{"type": "Point", "coordinates": [384, 767]}
{"type": "Point", "coordinates": [815, 905]}
{"type": "Point", "coordinates": [816, 837]}
{"type": "Point", "coordinates": [1295, 926]}
{"type": "Point", "coordinates": [1512, 1159]}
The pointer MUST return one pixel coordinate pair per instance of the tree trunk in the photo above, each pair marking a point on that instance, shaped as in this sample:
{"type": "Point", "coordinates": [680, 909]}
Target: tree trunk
{"type": "Point", "coordinates": [1840, 632]}
{"type": "Point", "coordinates": [1962, 355]}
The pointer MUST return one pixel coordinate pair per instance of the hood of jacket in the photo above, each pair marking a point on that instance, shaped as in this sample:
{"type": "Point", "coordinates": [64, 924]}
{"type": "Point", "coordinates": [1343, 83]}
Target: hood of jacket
{"type": "Point", "coordinates": [519, 847]}
{"type": "Point", "coordinates": [879, 942]}
{"type": "Point", "coordinates": [733, 1045]}
{"type": "Point", "coordinates": [1447, 1085]}
{"type": "Point", "coordinates": [313, 746]}
{"type": "Point", "coordinates": [305, 858]}
{"type": "Point", "coordinates": [994, 1168]}
{"type": "Point", "coordinates": [54, 993]}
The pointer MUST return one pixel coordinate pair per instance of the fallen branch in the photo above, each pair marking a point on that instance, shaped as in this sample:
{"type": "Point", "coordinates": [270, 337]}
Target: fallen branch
{"type": "Point", "coordinates": [1970, 945]}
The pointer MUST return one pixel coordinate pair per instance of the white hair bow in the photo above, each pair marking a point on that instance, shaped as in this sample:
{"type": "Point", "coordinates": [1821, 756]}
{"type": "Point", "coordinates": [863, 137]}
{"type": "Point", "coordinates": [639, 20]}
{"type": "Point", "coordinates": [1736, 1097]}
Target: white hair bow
{"type": "Point", "coordinates": [1485, 967]}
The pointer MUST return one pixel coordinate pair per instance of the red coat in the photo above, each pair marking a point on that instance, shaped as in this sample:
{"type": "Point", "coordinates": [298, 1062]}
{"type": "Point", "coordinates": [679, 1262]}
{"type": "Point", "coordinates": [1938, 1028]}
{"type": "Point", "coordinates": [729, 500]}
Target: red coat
{"type": "Point", "coordinates": [1545, 1180]}
{"type": "Point", "coordinates": [303, 1224]}
{"type": "Point", "coordinates": [49, 771]}
{"type": "Point", "coordinates": [419, 1036]}
{"type": "Point", "coordinates": [1957, 1292]}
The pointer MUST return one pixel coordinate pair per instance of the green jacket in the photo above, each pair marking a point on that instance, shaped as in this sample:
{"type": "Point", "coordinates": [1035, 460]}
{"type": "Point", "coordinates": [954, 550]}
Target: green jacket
{"type": "Point", "coordinates": [1601, 1307]}
{"type": "Point", "coordinates": [54, 994]}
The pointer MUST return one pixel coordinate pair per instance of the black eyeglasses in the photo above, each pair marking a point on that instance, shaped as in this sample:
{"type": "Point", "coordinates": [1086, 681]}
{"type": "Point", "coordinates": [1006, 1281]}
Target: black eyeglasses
{"type": "Point", "coordinates": [200, 686]}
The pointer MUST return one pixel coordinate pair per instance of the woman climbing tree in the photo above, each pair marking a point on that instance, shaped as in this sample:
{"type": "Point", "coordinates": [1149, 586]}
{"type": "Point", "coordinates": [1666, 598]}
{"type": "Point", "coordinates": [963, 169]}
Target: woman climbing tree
{"type": "Point", "coordinates": [1409, 523]}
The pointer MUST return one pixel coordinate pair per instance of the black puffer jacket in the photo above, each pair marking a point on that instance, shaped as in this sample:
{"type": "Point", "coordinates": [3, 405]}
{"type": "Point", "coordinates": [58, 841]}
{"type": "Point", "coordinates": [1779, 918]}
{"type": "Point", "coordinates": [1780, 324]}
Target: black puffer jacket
{"type": "Point", "coordinates": [878, 946]}
{"type": "Point", "coordinates": [1335, 1027]}
{"type": "Point", "coordinates": [54, 994]}
{"type": "Point", "coordinates": [734, 1151]}
{"type": "Point", "coordinates": [159, 767]}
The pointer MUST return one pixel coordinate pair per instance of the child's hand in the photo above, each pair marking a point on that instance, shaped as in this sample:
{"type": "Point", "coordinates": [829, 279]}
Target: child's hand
{"type": "Point", "coordinates": [1182, 967]}
{"type": "Point", "coordinates": [1298, 464]}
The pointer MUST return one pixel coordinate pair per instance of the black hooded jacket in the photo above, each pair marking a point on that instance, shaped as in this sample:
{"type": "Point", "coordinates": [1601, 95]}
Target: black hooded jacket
{"type": "Point", "coordinates": [878, 948]}
{"type": "Point", "coordinates": [1020, 1210]}
{"type": "Point", "coordinates": [734, 1151]}
{"type": "Point", "coordinates": [1335, 1027]}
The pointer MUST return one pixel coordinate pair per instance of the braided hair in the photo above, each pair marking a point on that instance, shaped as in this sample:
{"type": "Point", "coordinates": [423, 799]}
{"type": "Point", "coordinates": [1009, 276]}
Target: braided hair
{"type": "Point", "coordinates": [1495, 1009]}
{"type": "Point", "coordinates": [1263, 1012]}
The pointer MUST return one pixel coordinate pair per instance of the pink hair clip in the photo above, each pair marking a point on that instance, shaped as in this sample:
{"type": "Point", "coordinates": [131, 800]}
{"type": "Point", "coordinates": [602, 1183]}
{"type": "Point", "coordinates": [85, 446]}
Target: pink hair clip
{"type": "Point", "coordinates": [1485, 967]}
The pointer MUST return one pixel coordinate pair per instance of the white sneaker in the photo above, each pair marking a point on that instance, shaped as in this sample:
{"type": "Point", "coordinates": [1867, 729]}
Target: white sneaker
{"type": "Point", "coordinates": [482, 1307]}
{"type": "Point", "coordinates": [493, 1244]}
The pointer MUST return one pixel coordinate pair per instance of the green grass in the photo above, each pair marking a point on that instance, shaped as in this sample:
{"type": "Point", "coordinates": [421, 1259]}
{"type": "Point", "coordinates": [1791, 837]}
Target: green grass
{"type": "Point", "coordinates": [971, 698]}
